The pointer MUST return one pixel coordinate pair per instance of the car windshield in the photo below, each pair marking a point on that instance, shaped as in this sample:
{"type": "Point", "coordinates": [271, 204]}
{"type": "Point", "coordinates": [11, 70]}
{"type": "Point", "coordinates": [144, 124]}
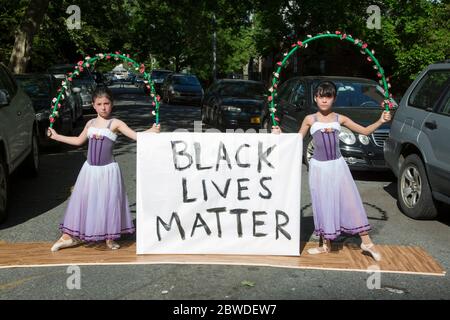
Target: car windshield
{"type": "Point", "coordinates": [160, 74]}
{"type": "Point", "coordinates": [242, 89]}
{"type": "Point", "coordinates": [357, 94]}
{"type": "Point", "coordinates": [35, 87]}
{"type": "Point", "coordinates": [186, 80]}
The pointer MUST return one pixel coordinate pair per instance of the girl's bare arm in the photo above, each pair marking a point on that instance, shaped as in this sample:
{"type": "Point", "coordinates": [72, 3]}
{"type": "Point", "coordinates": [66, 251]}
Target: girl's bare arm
{"type": "Point", "coordinates": [130, 133]}
{"type": "Point", "coordinates": [75, 141]}
{"type": "Point", "coordinates": [124, 129]}
{"type": "Point", "coordinates": [347, 122]}
{"type": "Point", "coordinates": [306, 124]}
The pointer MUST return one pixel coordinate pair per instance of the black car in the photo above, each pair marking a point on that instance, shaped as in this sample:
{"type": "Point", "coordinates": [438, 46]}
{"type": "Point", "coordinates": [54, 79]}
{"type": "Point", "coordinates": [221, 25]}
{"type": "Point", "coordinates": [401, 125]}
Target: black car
{"type": "Point", "coordinates": [42, 88]}
{"type": "Point", "coordinates": [85, 82]}
{"type": "Point", "coordinates": [100, 79]}
{"type": "Point", "coordinates": [230, 103]}
{"type": "Point", "coordinates": [158, 77]}
{"type": "Point", "coordinates": [359, 99]}
{"type": "Point", "coordinates": [183, 88]}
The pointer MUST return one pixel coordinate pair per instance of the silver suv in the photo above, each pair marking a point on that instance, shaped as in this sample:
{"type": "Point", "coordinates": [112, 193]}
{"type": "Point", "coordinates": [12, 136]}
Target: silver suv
{"type": "Point", "coordinates": [418, 147]}
{"type": "Point", "coordinates": [18, 134]}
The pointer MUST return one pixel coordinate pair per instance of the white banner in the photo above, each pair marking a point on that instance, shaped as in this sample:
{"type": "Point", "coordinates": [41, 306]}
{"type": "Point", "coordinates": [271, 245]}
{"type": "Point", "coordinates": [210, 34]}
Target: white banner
{"type": "Point", "coordinates": [218, 193]}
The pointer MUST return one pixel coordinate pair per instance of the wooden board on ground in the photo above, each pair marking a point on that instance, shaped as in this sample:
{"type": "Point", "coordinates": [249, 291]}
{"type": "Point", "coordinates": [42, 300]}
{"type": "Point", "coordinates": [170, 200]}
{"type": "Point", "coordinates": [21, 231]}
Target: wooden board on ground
{"type": "Point", "coordinates": [396, 259]}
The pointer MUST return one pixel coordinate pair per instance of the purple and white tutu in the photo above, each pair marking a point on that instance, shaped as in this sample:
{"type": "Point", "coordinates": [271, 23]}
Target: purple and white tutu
{"type": "Point", "coordinates": [98, 207]}
{"type": "Point", "coordinates": [336, 203]}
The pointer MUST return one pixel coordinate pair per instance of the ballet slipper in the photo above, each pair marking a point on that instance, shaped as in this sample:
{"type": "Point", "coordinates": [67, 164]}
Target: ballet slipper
{"type": "Point", "coordinates": [112, 244]}
{"type": "Point", "coordinates": [318, 250]}
{"type": "Point", "coordinates": [370, 249]}
{"type": "Point", "coordinates": [64, 243]}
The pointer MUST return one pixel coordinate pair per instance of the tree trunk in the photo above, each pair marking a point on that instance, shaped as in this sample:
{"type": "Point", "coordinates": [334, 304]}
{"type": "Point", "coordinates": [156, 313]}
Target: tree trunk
{"type": "Point", "coordinates": [32, 20]}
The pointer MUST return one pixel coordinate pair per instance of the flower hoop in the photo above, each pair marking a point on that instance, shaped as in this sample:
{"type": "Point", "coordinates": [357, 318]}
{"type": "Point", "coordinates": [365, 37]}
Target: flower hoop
{"type": "Point", "coordinates": [388, 102]}
{"type": "Point", "coordinates": [91, 61]}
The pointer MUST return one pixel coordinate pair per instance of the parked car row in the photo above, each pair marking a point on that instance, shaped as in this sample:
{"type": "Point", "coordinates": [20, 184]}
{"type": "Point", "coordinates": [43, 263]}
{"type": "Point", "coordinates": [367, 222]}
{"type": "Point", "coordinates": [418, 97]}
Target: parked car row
{"type": "Point", "coordinates": [25, 106]}
{"type": "Point", "coordinates": [413, 145]}
{"type": "Point", "coordinates": [85, 82]}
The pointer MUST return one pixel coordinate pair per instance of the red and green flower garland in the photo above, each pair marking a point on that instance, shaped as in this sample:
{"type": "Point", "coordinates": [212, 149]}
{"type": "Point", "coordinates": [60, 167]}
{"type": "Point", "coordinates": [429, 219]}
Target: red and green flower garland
{"type": "Point", "coordinates": [90, 61]}
{"type": "Point", "coordinates": [388, 102]}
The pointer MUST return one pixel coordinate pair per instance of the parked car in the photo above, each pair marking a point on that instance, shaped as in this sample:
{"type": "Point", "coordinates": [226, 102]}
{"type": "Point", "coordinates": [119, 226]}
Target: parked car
{"type": "Point", "coordinates": [234, 104]}
{"type": "Point", "coordinates": [18, 135]}
{"type": "Point", "coordinates": [183, 88]}
{"type": "Point", "coordinates": [358, 98]}
{"type": "Point", "coordinates": [85, 81]}
{"type": "Point", "coordinates": [138, 80]}
{"type": "Point", "coordinates": [99, 79]}
{"type": "Point", "coordinates": [418, 148]}
{"type": "Point", "coordinates": [158, 76]}
{"type": "Point", "coordinates": [42, 88]}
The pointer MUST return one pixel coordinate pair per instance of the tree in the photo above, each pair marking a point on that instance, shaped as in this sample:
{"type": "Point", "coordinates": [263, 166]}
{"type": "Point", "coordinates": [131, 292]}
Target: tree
{"type": "Point", "coordinates": [180, 35]}
{"type": "Point", "coordinates": [21, 52]}
{"type": "Point", "coordinates": [413, 34]}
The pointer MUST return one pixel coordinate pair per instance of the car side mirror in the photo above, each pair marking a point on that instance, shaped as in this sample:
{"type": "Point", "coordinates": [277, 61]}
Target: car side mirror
{"type": "Point", "coordinates": [4, 97]}
{"type": "Point", "coordinates": [76, 90]}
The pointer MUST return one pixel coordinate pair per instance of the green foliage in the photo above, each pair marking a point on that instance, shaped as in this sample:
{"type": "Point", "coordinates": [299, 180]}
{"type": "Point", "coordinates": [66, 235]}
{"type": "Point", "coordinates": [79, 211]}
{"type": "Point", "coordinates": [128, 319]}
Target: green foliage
{"type": "Point", "coordinates": [11, 13]}
{"type": "Point", "coordinates": [178, 35]}
{"type": "Point", "coordinates": [413, 34]}
{"type": "Point", "coordinates": [416, 34]}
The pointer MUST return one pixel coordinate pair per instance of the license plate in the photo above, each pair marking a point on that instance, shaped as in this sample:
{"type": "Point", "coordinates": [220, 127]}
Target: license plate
{"type": "Point", "coordinates": [255, 120]}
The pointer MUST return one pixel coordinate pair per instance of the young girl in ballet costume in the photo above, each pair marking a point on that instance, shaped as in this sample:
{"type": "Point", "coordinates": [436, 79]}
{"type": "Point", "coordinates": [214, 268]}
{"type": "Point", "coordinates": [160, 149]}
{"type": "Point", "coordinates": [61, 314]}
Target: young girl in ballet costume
{"type": "Point", "coordinates": [336, 203]}
{"type": "Point", "coordinates": [98, 207]}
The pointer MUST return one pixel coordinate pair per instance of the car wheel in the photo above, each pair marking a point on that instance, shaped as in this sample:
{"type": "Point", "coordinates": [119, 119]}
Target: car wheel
{"type": "Point", "coordinates": [32, 161]}
{"type": "Point", "coordinates": [308, 150]}
{"type": "Point", "coordinates": [4, 189]}
{"type": "Point", "coordinates": [414, 193]}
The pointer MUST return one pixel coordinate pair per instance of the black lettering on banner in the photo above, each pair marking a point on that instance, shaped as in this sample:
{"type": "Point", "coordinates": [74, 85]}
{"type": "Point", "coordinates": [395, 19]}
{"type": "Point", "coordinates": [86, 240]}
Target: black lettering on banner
{"type": "Point", "coordinates": [242, 165]}
{"type": "Point", "coordinates": [280, 225]}
{"type": "Point", "coordinates": [168, 227]}
{"type": "Point", "coordinates": [225, 192]}
{"type": "Point", "coordinates": [240, 188]}
{"type": "Point", "coordinates": [180, 153]}
{"type": "Point", "coordinates": [223, 156]}
{"type": "Point", "coordinates": [262, 156]}
{"type": "Point", "coordinates": [217, 211]}
{"type": "Point", "coordinates": [203, 224]}
{"type": "Point", "coordinates": [269, 193]}
{"type": "Point", "coordinates": [198, 151]}
{"type": "Point", "coordinates": [205, 194]}
{"type": "Point", "coordinates": [258, 223]}
{"type": "Point", "coordinates": [185, 192]}
{"type": "Point", "coordinates": [238, 213]}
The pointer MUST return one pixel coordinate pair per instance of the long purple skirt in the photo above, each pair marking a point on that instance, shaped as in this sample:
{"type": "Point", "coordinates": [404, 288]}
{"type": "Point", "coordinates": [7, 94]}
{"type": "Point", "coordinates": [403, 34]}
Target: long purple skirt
{"type": "Point", "coordinates": [98, 207]}
{"type": "Point", "coordinates": [336, 203]}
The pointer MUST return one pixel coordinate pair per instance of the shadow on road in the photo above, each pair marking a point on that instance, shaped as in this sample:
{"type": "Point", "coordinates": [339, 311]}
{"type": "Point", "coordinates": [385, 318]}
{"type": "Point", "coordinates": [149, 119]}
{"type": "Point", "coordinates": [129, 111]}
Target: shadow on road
{"type": "Point", "coordinates": [32, 197]}
{"type": "Point", "coordinates": [380, 176]}
{"type": "Point", "coordinates": [443, 209]}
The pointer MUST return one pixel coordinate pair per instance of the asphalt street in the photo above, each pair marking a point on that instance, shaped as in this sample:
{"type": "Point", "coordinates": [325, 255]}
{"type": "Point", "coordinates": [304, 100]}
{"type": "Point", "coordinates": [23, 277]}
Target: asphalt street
{"type": "Point", "coordinates": [37, 206]}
